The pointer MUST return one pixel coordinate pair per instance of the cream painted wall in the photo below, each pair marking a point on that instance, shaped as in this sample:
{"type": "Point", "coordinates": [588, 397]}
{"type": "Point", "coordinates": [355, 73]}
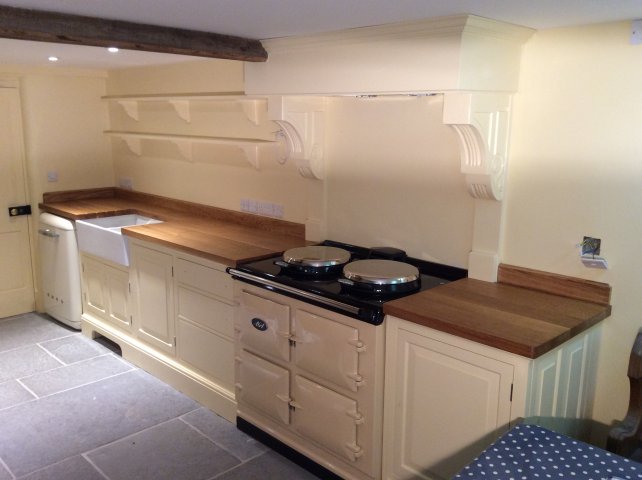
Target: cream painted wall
{"type": "Point", "coordinates": [575, 170]}
{"type": "Point", "coordinates": [218, 175]}
{"type": "Point", "coordinates": [393, 171]}
{"type": "Point", "coordinates": [63, 122]}
{"type": "Point", "coordinates": [196, 76]}
{"type": "Point", "coordinates": [394, 178]}
{"type": "Point", "coordinates": [64, 118]}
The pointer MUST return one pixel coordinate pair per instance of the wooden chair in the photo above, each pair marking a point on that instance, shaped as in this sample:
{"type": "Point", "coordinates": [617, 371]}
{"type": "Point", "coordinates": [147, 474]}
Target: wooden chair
{"type": "Point", "coordinates": [625, 438]}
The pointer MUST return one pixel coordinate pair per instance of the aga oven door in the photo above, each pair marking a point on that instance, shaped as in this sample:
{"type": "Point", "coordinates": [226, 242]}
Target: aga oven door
{"type": "Point", "coordinates": [263, 386]}
{"type": "Point", "coordinates": [326, 417]}
{"type": "Point", "coordinates": [327, 349]}
{"type": "Point", "coordinates": [264, 326]}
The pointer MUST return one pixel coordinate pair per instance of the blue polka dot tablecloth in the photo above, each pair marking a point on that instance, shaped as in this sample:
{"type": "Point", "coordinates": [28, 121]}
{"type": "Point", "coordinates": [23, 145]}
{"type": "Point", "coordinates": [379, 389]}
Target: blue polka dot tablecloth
{"type": "Point", "coordinates": [530, 452]}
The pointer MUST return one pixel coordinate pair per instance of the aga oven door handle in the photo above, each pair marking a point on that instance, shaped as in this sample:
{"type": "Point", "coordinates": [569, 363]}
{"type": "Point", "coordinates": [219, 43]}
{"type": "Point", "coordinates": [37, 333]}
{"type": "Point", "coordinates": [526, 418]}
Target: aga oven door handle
{"type": "Point", "coordinates": [358, 379]}
{"type": "Point", "coordinates": [358, 345]}
{"type": "Point", "coordinates": [354, 451]}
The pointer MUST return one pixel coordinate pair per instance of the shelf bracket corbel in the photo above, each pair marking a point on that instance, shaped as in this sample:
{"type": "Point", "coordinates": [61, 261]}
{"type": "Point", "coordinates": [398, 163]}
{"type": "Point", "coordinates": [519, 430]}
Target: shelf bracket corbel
{"type": "Point", "coordinates": [251, 153]}
{"type": "Point", "coordinates": [301, 130]}
{"type": "Point", "coordinates": [130, 107]}
{"type": "Point", "coordinates": [185, 148]}
{"type": "Point", "coordinates": [182, 108]}
{"type": "Point", "coordinates": [481, 122]}
{"type": "Point", "coordinates": [251, 109]}
{"type": "Point", "coordinates": [134, 145]}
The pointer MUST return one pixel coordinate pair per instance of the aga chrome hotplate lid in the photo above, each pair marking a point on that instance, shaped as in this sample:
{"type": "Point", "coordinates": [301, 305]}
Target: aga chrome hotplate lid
{"type": "Point", "coordinates": [380, 272]}
{"type": "Point", "coordinates": [316, 256]}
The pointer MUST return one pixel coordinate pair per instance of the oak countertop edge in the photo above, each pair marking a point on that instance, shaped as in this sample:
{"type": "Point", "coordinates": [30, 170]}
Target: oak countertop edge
{"type": "Point", "coordinates": [203, 239]}
{"type": "Point", "coordinates": [533, 339]}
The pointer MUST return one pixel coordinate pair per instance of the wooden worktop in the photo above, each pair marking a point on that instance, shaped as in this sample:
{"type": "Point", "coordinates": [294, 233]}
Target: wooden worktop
{"type": "Point", "coordinates": [509, 315]}
{"type": "Point", "coordinates": [527, 312]}
{"type": "Point", "coordinates": [221, 235]}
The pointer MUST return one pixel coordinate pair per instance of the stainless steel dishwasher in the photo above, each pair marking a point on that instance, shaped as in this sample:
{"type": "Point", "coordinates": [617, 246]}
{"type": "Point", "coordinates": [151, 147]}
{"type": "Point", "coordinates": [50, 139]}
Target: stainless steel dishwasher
{"type": "Point", "coordinates": [60, 269]}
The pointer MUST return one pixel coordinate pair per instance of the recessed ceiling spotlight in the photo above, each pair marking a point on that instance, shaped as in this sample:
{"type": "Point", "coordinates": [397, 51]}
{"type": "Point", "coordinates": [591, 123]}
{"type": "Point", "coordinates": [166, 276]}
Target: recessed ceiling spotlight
{"type": "Point", "coordinates": [53, 59]}
{"type": "Point", "coordinates": [112, 50]}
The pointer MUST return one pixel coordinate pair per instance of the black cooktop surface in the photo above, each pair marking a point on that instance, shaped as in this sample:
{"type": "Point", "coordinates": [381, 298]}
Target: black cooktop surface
{"type": "Point", "coordinates": [365, 305]}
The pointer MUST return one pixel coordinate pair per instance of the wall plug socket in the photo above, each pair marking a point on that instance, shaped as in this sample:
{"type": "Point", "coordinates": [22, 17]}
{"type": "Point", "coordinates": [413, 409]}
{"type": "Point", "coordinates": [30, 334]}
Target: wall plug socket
{"type": "Point", "coordinates": [590, 251]}
{"type": "Point", "coordinates": [591, 246]}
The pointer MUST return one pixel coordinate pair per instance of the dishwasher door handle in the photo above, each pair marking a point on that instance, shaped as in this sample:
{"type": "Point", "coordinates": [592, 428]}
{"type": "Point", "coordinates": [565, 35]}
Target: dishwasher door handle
{"type": "Point", "coordinates": [48, 232]}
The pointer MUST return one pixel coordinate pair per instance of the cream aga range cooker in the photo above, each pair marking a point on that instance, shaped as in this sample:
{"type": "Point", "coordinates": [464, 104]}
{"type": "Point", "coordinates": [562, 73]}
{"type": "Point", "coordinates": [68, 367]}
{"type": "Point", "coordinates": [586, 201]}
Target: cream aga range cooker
{"type": "Point", "coordinates": [310, 350]}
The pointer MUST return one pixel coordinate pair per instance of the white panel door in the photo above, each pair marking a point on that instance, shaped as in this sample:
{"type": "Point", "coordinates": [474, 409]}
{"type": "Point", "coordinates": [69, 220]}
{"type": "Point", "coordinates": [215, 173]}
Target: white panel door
{"type": "Point", "coordinates": [152, 282]}
{"type": "Point", "coordinates": [16, 281]}
{"type": "Point", "coordinates": [448, 404]}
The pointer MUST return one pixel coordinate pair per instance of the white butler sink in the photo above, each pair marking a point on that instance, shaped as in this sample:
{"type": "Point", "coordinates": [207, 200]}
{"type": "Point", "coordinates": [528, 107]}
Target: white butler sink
{"type": "Point", "coordinates": [102, 236]}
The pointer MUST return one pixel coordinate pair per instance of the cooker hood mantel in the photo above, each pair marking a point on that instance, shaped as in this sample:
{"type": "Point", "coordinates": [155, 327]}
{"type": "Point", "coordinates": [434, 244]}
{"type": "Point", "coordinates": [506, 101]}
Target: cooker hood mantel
{"type": "Point", "coordinates": [474, 62]}
{"type": "Point", "coordinates": [481, 122]}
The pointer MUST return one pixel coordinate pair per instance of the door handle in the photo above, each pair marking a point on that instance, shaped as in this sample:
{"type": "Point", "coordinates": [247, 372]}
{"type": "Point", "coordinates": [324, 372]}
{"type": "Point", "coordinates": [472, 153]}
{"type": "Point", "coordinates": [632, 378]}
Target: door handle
{"type": "Point", "coordinates": [19, 210]}
{"type": "Point", "coordinates": [48, 232]}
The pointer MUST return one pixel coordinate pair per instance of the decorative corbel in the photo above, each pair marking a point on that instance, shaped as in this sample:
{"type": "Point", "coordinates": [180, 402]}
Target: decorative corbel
{"type": "Point", "coordinates": [481, 122]}
{"type": "Point", "coordinates": [301, 123]}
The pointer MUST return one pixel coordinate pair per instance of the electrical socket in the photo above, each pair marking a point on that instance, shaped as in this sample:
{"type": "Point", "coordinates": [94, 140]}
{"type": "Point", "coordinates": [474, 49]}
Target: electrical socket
{"type": "Point", "coordinates": [591, 246]}
{"type": "Point", "coordinates": [126, 183]}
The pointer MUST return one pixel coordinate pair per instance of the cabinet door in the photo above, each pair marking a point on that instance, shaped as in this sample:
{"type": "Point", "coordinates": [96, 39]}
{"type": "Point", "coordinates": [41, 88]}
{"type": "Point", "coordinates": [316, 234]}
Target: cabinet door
{"type": "Point", "coordinates": [93, 276]}
{"type": "Point", "coordinates": [444, 404]}
{"type": "Point", "coordinates": [152, 282]}
{"type": "Point", "coordinates": [560, 387]}
{"type": "Point", "coordinates": [117, 295]}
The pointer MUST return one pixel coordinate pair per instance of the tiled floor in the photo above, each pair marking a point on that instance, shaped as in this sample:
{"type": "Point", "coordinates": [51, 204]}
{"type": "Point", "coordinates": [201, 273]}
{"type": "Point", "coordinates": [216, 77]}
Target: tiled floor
{"type": "Point", "coordinates": [71, 409]}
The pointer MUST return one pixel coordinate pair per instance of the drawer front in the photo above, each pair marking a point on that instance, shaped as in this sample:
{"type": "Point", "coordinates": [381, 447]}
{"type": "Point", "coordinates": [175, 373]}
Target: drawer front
{"type": "Point", "coordinates": [207, 279]}
{"type": "Point", "coordinates": [327, 417]}
{"type": "Point", "coordinates": [264, 326]}
{"type": "Point", "coordinates": [264, 387]}
{"type": "Point", "coordinates": [327, 349]}
{"type": "Point", "coordinates": [206, 311]}
{"type": "Point", "coordinates": [210, 353]}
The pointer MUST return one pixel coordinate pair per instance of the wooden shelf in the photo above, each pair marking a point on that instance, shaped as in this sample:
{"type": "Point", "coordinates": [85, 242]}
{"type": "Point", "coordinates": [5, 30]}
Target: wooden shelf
{"type": "Point", "coordinates": [184, 143]}
{"type": "Point", "coordinates": [182, 103]}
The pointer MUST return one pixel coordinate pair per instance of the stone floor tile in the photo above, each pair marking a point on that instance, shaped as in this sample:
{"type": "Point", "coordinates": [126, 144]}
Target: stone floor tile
{"type": "Point", "coordinates": [74, 468]}
{"type": "Point", "coordinates": [268, 466]}
{"type": "Point", "coordinates": [4, 473]}
{"type": "Point", "coordinates": [74, 348]}
{"type": "Point", "coordinates": [36, 434]}
{"type": "Point", "coordinates": [25, 361]}
{"type": "Point", "coordinates": [29, 329]}
{"type": "Point", "coordinates": [224, 434]}
{"type": "Point", "coordinates": [171, 451]}
{"type": "Point", "coordinates": [12, 393]}
{"type": "Point", "coordinates": [70, 376]}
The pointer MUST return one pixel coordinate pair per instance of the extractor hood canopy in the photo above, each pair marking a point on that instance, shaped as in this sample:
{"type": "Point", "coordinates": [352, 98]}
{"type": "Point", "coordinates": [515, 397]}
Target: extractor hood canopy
{"type": "Point", "coordinates": [473, 61]}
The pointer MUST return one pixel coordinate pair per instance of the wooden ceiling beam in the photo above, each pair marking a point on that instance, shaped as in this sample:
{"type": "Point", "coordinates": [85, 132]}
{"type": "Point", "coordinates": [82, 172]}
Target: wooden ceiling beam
{"type": "Point", "coordinates": [27, 24]}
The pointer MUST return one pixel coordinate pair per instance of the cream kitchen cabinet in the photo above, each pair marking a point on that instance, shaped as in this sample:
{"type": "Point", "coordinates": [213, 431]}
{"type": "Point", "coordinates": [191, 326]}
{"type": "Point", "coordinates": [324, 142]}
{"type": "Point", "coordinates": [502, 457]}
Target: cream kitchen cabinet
{"type": "Point", "coordinates": [172, 314]}
{"type": "Point", "coordinates": [105, 293]}
{"type": "Point", "coordinates": [153, 298]}
{"type": "Point", "coordinates": [447, 398]}
{"type": "Point", "coordinates": [205, 318]}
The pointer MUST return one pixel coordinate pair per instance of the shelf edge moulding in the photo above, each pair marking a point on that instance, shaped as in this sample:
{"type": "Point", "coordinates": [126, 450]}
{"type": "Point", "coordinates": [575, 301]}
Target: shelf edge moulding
{"type": "Point", "coordinates": [182, 103]}
{"type": "Point", "coordinates": [184, 143]}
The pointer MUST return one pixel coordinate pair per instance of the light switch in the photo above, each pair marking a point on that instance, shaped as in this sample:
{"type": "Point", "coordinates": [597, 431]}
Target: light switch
{"type": "Point", "coordinates": [52, 176]}
{"type": "Point", "coordinates": [636, 32]}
